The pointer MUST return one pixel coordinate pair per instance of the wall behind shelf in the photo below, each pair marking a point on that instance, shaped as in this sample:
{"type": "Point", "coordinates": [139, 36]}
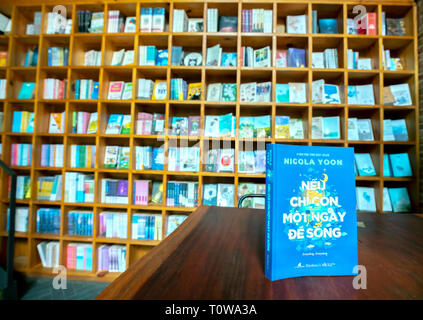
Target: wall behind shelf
{"type": "Point", "coordinates": [420, 51]}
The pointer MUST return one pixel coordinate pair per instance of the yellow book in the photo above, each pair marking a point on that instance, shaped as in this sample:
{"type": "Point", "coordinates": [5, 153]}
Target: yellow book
{"type": "Point", "coordinates": [24, 122]}
{"type": "Point", "coordinates": [160, 90]}
{"type": "Point", "coordinates": [194, 91]}
{"type": "Point", "coordinates": [88, 157]}
{"type": "Point", "coordinates": [92, 125]}
{"type": "Point", "coordinates": [3, 58]}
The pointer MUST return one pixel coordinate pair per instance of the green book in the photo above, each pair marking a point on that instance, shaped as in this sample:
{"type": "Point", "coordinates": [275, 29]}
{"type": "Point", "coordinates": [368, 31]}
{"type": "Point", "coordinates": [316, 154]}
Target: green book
{"type": "Point", "coordinates": [124, 158]}
{"type": "Point", "coordinates": [229, 92]}
{"type": "Point", "coordinates": [82, 156]}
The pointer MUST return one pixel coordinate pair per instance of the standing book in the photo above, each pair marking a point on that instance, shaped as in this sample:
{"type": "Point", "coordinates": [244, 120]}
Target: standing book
{"type": "Point", "coordinates": [303, 184]}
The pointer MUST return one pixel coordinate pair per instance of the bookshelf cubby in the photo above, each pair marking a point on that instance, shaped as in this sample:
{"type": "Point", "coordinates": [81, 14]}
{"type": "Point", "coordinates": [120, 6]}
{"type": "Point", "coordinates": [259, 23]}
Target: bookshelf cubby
{"type": "Point", "coordinates": [17, 43]}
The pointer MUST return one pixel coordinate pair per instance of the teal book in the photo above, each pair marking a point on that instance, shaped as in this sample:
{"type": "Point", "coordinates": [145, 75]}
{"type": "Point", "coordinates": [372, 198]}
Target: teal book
{"type": "Point", "coordinates": [331, 128]}
{"type": "Point", "coordinates": [262, 127]}
{"type": "Point", "coordinates": [27, 90]}
{"type": "Point", "coordinates": [229, 92]}
{"type": "Point", "coordinates": [282, 93]}
{"type": "Point", "coordinates": [386, 166]}
{"type": "Point", "coordinates": [225, 125]}
{"type": "Point", "coordinates": [364, 164]}
{"type": "Point", "coordinates": [246, 127]}
{"type": "Point", "coordinates": [400, 164]}
{"type": "Point", "coordinates": [399, 129]}
{"type": "Point", "coordinates": [311, 221]}
{"type": "Point", "coordinates": [400, 200]}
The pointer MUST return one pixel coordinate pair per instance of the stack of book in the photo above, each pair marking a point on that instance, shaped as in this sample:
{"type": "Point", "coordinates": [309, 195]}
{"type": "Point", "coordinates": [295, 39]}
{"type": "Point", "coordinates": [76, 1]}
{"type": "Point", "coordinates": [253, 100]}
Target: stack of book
{"type": "Point", "coordinates": [395, 130]}
{"type": "Point", "coordinates": [49, 188]}
{"type": "Point", "coordinates": [116, 157]}
{"type": "Point", "coordinates": [141, 192]}
{"type": "Point", "coordinates": [2, 88]}
{"type": "Point", "coordinates": [255, 127]}
{"type": "Point", "coordinates": [150, 124]}
{"type": "Point", "coordinates": [293, 92]}
{"type": "Point", "coordinates": [354, 62]}
{"type": "Point", "coordinates": [257, 20]}
{"type": "Point", "coordinates": [122, 57]}
{"type": "Point", "coordinates": [80, 223]}
{"type": "Point", "coordinates": [48, 220]}
{"type": "Point", "coordinates": [79, 256]}
{"type": "Point", "coordinates": [86, 89]}
{"type": "Point", "coordinates": [252, 161]}
{"type": "Point", "coordinates": [92, 58]}
{"type": "Point", "coordinates": [84, 122]}
{"type": "Point", "coordinates": [327, 59]}
{"type": "Point", "coordinates": [361, 94]}
{"type": "Point", "coordinates": [150, 56]}
{"type": "Point", "coordinates": [397, 95]}
{"type": "Point", "coordinates": [221, 194]}
{"type": "Point", "coordinates": [147, 226]}
{"type": "Point", "coordinates": [252, 188]}
{"type": "Point", "coordinates": [35, 27]}
{"type": "Point", "coordinates": [366, 25]}
{"type": "Point", "coordinates": [288, 128]}
{"type": "Point", "coordinates": [52, 155]}
{"type": "Point", "coordinates": [23, 121]}
{"type": "Point", "coordinates": [325, 93]}
{"type": "Point", "coordinates": [360, 129]}
{"type": "Point", "coordinates": [56, 122]}
{"type": "Point", "coordinates": [90, 21]}
{"type": "Point", "coordinates": [216, 58]}
{"type": "Point", "coordinates": [119, 124]}
{"type": "Point", "coordinates": [23, 187]}
{"type": "Point", "coordinates": [21, 219]}
{"type": "Point", "coordinates": [114, 191]}
{"type": "Point", "coordinates": [153, 20]}
{"type": "Point", "coordinates": [31, 57]}
{"type": "Point", "coordinates": [115, 22]}
{"type": "Point", "coordinates": [325, 128]}
{"type": "Point", "coordinates": [212, 18]}
{"type": "Point", "coordinates": [149, 158]}
{"type": "Point", "coordinates": [256, 58]}
{"type": "Point", "coordinates": [83, 156]}
{"type": "Point", "coordinates": [173, 222]}
{"type": "Point", "coordinates": [79, 187]}
{"type": "Point", "coordinates": [219, 126]}
{"type": "Point", "coordinates": [27, 90]}
{"type": "Point", "coordinates": [364, 164]}
{"type": "Point", "coordinates": [49, 252]}
{"type": "Point", "coordinates": [120, 90]}
{"type": "Point", "coordinates": [112, 258]}
{"type": "Point", "coordinates": [180, 90]}
{"type": "Point", "coordinates": [57, 56]}
{"type": "Point", "coordinates": [185, 126]}
{"type": "Point", "coordinates": [292, 58]}
{"type": "Point", "coordinates": [182, 194]}
{"type": "Point", "coordinates": [222, 92]}
{"type": "Point", "coordinates": [54, 88]}
{"type": "Point", "coordinates": [255, 92]}
{"type": "Point", "coordinates": [21, 154]}
{"type": "Point", "coordinates": [113, 225]}
{"type": "Point", "coordinates": [184, 159]}
{"type": "Point", "coordinates": [220, 160]}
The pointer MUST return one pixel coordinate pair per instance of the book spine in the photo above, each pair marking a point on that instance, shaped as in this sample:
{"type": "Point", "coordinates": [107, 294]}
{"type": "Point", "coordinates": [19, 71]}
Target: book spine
{"type": "Point", "coordinates": [269, 212]}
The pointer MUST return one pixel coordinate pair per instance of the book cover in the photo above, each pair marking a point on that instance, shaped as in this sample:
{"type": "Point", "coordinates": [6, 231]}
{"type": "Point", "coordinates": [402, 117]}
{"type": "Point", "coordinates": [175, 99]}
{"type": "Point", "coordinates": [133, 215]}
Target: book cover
{"type": "Point", "coordinates": [296, 24]}
{"type": "Point", "coordinates": [194, 126]}
{"type": "Point", "coordinates": [115, 90]}
{"type": "Point", "coordinates": [262, 57]}
{"type": "Point", "coordinates": [282, 127]}
{"type": "Point", "coordinates": [317, 128]}
{"type": "Point", "coordinates": [400, 165]}
{"type": "Point", "coordinates": [111, 155]}
{"type": "Point", "coordinates": [211, 128]}
{"type": "Point", "coordinates": [328, 26]}
{"type": "Point", "coordinates": [228, 24]}
{"type": "Point", "coordinates": [317, 91]}
{"type": "Point", "coordinates": [388, 132]}
{"type": "Point", "coordinates": [400, 199]}
{"type": "Point", "coordinates": [281, 58]}
{"type": "Point", "coordinates": [386, 201]}
{"type": "Point", "coordinates": [282, 92]}
{"type": "Point", "coordinates": [225, 195]}
{"type": "Point", "coordinates": [162, 57]}
{"type": "Point", "coordinates": [225, 125]}
{"type": "Point", "coordinates": [228, 59]}
{"type": "Point", "coordinates": [27, 90]}
{"type": "Point", "coordinates": [214, 91]}
{"type": "Point", "coordinates": [366, 199]}
{"type": "Point", "coordinates": [365, 130]}
{"type": "Point", "coordinates": [194, 91]}
{"type": "Point", "coordinates": [297, 92]}
{"type": "Point", "coordinates": [264, 92]}
{"type": "Point", "coordinates": [246, 127]}
{"type": "Point", "coordinates": [352, 129]}
{"type": "Point", "coordinates": [262, 126]}
{"type": "Point", "coordinates": [114, 124]}
{"type": "Point", "coordinates": [399, 128]}
{"type": "Point", "coordinates": [247, 92]}
{"type": "Point", "coordinates": [302, 187]}
{"type": "Point", "coordinates": [331, 128]}
{"type": "Point", "coordinates": [386, 166]}
{"type": "Point", "coordinates": [364, 164]}
{"type": "Point", "coordinates": [212, 160]}
{"type": "Point", "coordinates": [160, 90]}
{"type": "Point", "coordinates": [226, 160]}
{"type": "Point", "coordinates": [401, 93]}
{"type": "Point", "coordinates": [331, 94]}
{"type": "Point", "coordinates": [246, 162]}
{"type": "Point", "coordinates": [229, 92]}
{"type": "Point", "coordinates": [296, 128]}
{"type": "Point", "coordinates": [210, 194]}
{"type": "Point", "coordinates": [318, 60]}
{"type": "Point", "coordinates": [296, 58]}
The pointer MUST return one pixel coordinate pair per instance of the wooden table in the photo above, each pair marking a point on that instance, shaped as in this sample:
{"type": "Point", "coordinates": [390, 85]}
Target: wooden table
{"type": "Point", "coordinates": [218, 253]}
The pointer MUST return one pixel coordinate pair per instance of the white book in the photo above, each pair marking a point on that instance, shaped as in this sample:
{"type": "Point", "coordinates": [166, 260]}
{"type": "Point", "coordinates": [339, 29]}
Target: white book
{"type": "Point", "coordinates": [296, 24]}
{"type": "Point", "coordinates": [317, 60]}
{"type": "Point", "coordinates": [386, 201]}
{"type": "Point", "coordinates": [127, 91]}
{"type": "Point", "coordinates": [262, 57]}
{"type": "Point", "coordinates": [366, 199]}
{"type": "Point", "coordinates": [130, 24]}
{"type": "Point", "coordinates": [225, 195]}
{"type": "Point", "coordinates": [365, 94]}
{"type": "Point", "coordinates": [248, 92]}
{"type": "Point", "coordinates": [296, 130]}
{"type": "Point", "coordinates": [317, 91]}
{"type": "Point", "coordinates": [268, 21]}
{"type": "Point", "coordinates": [352, 129]}
{"type": "Point", "coordinates": [214, 92]}
{"type": "Point", "coordinates": [388, 133]}
{"type": "Point", "coordinates": [117, 57]}
{"type": "Point", "coordinates": [401, 93]}
{"type": "Point", "coordinates": [214, 55]}
{"type": "Point", "coordinates": [297, 92]}
{"type": "Point", "coordinates": [41, 248]}
{"type": "Point", "coordinates": [317, 128]}
{"type": "Point", "coordinates": [364, 64]}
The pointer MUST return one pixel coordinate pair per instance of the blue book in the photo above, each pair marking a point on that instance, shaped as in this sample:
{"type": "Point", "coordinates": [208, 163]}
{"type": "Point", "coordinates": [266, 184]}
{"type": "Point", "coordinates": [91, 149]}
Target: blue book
{"type": "Point", "coordinates": [49, 56]}
{"type": "Point", "coordinates": [176, 56]}
{"type": "Point", "coordinates": [364, 164]}
{"type": "Point", "coordinates": [158, 159]}
{"type": "Point", "coordinates": [228, 59]}
{"type": "Point", "coordinates": [27, 90]}
{"type": "Point", "coordinates": [34, 57]}
{"type": "Point", "coordinates": [304, 184]}
{"type": "Point", "coordinates": [399, 199]}
{"type": "Point", "coordinates": [331, 128]}
{"type": "Point", "coordinates": [282, 92]}
{"type": "Point", "coordinates": [400, 164]}
{"type": "Point", "coordinates": [328, 26]}
{"type": "Point", "coordinates": [386, 166]}
{"type": "Point", "coordinates": [89, 258]}
{"type": "Point", "coordinates": [17, 120]}
{"type": "Point", "coordinates": [331, 94]}
{"type": "Point", "coordinates": [94, 95]}
{"type": "Point", "coordinates": [296, 58]}
{"type": "Point", "coordinates": [162, 56]}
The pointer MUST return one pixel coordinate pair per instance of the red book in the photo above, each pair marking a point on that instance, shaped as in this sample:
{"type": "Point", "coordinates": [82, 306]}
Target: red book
{"type": "Point", "coordinates": [371, 23]}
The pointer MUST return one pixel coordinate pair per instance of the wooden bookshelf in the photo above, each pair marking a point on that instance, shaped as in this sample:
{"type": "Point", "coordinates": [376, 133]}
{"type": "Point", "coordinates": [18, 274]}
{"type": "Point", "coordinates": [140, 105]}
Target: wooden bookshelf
{"type": "Point", "coordinates": [17, 43]}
